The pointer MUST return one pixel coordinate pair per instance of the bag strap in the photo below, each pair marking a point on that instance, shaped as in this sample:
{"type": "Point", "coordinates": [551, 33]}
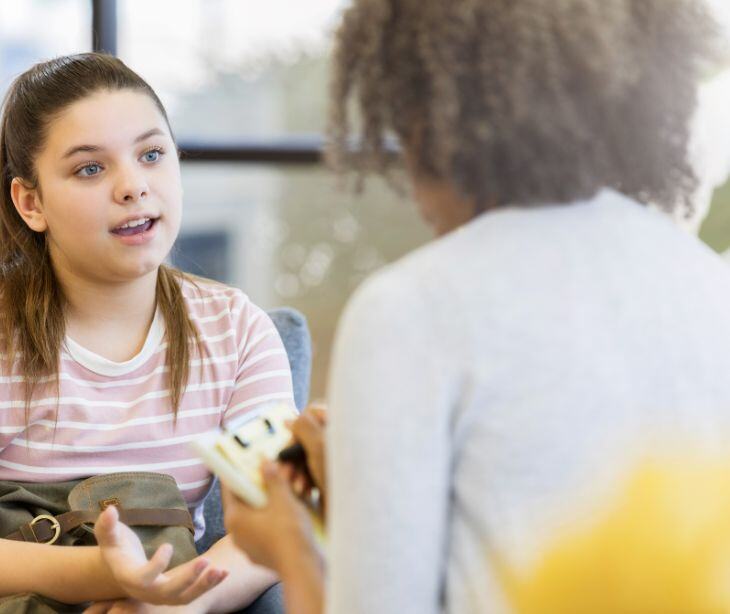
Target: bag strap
{"type": "Point", "coordinates": [46, 529]}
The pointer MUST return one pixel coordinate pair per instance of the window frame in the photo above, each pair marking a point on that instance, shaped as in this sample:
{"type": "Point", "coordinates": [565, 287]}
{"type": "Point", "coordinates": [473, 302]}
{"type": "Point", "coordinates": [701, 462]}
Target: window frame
{"type": "Point", "coordinates": [298, 151]}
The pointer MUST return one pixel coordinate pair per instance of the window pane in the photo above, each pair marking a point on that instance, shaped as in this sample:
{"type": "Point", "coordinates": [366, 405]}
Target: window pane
{"type": "Point", "coordinates": [721, 11]}
{"type": "Point", "coordinates": [289, 236]}
{"type": "Point", "coordinates": [233, 68]}
{"type": "Point", "coordinates": [710, 157]}
{"type": "Point", "coordinates": [35, 30]}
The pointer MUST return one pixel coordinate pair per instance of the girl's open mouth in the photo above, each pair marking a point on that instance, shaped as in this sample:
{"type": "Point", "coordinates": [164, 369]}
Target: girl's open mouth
{"type": "Point", "coordinates": [135, 227]}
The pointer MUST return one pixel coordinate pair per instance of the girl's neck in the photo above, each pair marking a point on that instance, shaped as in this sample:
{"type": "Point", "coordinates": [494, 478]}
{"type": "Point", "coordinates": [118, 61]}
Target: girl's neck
{"type": "Point", "coordinates": [91, 302]}
{"type": "Point", "coordinates": [110, 319]}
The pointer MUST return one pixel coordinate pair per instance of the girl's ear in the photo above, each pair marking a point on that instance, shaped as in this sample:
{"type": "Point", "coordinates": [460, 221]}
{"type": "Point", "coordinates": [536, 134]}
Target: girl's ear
{"type": "Point", "coordinates": [28, 205]}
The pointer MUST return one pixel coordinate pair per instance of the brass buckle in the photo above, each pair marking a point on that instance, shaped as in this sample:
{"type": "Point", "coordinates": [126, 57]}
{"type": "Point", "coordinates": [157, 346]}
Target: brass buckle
{"type": "Point", "coordinates": [105, 503]}
{"type": "Point", "coordinates": [55, 525]}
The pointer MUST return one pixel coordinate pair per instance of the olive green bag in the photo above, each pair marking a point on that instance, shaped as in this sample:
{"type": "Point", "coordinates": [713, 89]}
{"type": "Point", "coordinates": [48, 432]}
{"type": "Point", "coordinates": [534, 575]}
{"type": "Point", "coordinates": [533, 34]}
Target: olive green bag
{"type": "Point", "coordinates": [63, 513]}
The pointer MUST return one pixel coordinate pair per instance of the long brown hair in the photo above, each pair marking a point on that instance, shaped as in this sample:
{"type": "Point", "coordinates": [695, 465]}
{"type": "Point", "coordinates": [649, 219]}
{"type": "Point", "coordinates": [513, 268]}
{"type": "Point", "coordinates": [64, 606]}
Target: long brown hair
{"type": "Point", "coordinates": [522, 102]}
{"type": "Point", "coordinates": [32, 304]}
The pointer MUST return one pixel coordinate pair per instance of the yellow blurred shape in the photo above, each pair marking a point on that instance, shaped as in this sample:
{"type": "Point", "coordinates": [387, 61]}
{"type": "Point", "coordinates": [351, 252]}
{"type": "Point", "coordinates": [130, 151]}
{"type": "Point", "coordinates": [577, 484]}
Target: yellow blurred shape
{"type": "Point", "coordinates": [664, 548]}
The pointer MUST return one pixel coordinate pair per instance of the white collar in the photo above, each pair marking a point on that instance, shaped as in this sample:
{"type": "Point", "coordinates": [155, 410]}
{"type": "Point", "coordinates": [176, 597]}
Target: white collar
{"type": "Point", "coordinates": [104, 366]}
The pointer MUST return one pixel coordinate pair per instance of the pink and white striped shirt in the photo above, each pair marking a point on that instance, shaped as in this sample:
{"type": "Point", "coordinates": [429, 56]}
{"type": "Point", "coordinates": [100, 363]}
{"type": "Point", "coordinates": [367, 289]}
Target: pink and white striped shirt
{"type": "Point", "coordinates": [118, 416]}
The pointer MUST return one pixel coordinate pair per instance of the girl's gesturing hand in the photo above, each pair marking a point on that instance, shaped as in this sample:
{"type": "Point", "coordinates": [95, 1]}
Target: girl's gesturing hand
{"type": "Point", "coordinates": [147, 581]}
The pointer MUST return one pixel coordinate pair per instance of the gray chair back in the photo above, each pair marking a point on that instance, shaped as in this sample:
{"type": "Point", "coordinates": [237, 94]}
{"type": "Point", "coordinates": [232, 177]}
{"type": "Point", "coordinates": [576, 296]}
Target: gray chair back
{"type": "Point", "coordinates": [294, 333]}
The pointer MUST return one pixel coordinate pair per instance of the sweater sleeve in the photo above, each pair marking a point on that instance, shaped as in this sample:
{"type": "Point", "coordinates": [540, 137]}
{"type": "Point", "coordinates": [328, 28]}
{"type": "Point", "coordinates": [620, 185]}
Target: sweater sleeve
{"type": "Point", "coordinates": [388, 456]}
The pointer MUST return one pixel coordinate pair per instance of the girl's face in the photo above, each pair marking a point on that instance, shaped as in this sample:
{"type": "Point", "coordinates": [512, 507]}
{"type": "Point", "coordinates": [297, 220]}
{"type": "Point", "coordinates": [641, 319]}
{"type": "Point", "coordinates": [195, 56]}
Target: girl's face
{"type": "Point", "coordinates": [109, 195]}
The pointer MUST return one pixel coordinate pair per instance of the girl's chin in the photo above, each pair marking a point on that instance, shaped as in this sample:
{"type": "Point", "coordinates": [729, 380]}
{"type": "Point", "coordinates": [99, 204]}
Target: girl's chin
{"type": "Point", "coordinates": [134, 271]}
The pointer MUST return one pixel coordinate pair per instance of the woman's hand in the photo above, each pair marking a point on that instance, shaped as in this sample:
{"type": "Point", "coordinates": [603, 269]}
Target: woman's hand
{"type": "Point", "coordinates": [309, 430]}
{"type": "Point", "coordinates": [147, 581]}
{"type": "Point", "coordinates": [277, 534]}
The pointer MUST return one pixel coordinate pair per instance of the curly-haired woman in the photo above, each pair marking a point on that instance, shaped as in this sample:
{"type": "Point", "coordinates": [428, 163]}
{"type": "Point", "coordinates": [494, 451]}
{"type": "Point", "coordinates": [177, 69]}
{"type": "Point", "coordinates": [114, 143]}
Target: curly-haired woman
{"type": "Point", "coordinates": [497, 382]}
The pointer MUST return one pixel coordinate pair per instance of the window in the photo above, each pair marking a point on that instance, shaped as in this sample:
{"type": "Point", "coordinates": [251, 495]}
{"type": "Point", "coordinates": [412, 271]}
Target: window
{"type": "Point", "coordinates": [233, 69]}
{"type": "Point", "coordinates": [287, 235]}
{"type": "Point", "coordinates": [66, 29]}
{"type": "Point", "coordinates": [237, 73]}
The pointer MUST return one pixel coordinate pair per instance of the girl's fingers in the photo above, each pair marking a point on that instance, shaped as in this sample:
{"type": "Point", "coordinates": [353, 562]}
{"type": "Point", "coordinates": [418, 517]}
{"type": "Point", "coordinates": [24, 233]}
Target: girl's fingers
{"type": "Point", "coordinates": [105, 529]}
{"type": "Point", "coordinates": [181, 579]}
{"type": "Point", "coordinates": [206, 581]}
{"type": "Point", "coordinates": [100, 607]}
{"type": "Point", "coordinates": [156, 565]}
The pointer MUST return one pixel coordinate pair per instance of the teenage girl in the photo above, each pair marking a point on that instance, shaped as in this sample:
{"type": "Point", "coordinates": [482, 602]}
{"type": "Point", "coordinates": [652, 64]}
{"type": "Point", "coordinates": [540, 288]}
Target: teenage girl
{"type": "Point", "coordinates": [113, 361]}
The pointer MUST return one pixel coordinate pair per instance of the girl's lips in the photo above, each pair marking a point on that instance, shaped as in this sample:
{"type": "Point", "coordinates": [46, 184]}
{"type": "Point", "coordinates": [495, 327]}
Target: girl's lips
{"type": "Point", "coordinates": [138, 235]}
{"type": "Point", "coordinates": [126, 232]}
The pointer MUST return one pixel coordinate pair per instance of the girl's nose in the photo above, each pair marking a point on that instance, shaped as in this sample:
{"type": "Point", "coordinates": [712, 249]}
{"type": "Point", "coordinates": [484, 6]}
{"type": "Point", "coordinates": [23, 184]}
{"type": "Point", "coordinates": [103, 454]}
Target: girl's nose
{"type": "Point", "coordinates": [131, 188]}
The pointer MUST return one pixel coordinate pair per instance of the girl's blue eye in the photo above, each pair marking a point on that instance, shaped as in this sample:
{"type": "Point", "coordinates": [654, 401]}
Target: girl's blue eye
{"type": "Point", "coordinates": [89, 170]}
{"type": "Point", "coordinates": [151, 156]}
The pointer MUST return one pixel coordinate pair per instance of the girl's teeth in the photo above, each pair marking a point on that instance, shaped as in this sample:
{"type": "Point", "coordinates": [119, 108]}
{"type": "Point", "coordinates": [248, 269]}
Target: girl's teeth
{"type": "Point", "coordinates": [134, 223]}
{"type": "Point", "coordinates": [134, 227]}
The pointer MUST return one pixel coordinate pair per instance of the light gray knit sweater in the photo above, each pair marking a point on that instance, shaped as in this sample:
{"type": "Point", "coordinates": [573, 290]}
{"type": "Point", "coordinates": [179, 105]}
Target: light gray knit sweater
{"type": "Point", "coordinates": [497, 383]}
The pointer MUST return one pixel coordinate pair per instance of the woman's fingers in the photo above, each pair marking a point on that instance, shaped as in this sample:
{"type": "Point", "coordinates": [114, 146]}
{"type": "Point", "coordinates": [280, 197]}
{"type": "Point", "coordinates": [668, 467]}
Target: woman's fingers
{"type": "Point", "coordinates": [276, 479]}
{"type": "Point", "coordinates": [309, 430]}
{"type": "Point", "coordinates": [318, 409]}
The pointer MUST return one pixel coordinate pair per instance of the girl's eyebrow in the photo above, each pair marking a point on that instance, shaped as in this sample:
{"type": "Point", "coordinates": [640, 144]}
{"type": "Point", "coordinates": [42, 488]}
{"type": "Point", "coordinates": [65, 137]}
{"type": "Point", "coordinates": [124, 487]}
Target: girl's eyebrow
{"type": "Point", "coordinates": [77, 148]}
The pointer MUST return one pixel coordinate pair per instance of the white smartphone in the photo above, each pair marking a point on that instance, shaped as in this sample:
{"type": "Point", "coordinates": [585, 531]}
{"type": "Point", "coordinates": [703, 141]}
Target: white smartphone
{"type": "Point", "coordinates": [235, 454]}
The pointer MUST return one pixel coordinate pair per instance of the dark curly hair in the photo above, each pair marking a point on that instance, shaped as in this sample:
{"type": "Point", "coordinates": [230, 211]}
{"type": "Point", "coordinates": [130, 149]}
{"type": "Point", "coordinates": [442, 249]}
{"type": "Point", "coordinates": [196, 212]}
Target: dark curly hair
{"type": "Point", "coordinates": [525, 101]}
